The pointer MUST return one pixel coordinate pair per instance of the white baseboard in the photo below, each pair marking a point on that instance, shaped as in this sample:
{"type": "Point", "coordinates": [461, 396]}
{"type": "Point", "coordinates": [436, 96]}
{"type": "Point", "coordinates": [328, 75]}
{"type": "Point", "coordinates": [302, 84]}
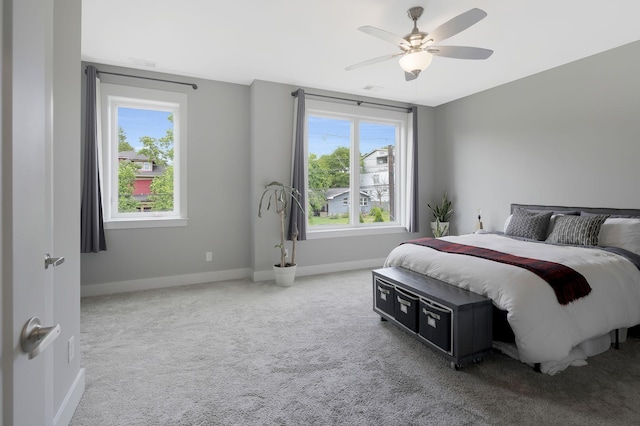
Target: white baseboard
{"type": "Point", "coordinates": [71, 400]}
{"type": "Point", "coordinates": [210, 277]}
{"type": "Point", "coordinates": [323, 269]}
{"type": "Point", "coordinates": [162, 282]}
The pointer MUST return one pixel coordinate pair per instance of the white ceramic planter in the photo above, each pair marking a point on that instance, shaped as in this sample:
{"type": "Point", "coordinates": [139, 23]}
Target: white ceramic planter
{"type": "Point", "coordinates": [444, 228]}
{"type": "Point", "coordinates": [284, 276]}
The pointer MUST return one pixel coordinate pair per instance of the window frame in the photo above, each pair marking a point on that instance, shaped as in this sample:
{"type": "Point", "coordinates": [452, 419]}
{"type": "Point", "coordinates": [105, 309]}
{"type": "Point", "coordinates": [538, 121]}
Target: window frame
{"type": "Point", "coordinates": [327, 109]}
{"type": "Point", "coordinates": [113, 96]}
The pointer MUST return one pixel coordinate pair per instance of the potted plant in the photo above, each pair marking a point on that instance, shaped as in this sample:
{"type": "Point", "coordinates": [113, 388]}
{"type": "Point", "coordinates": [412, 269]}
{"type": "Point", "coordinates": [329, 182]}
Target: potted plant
{"type": "Point", "coordinates": [441, 213]}
{"type": "Point", "coordinates": [279, 195]}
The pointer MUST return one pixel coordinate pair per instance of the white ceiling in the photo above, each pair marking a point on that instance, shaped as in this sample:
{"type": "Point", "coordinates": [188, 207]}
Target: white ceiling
{"type": "Point", "coordinates": [309, 43]}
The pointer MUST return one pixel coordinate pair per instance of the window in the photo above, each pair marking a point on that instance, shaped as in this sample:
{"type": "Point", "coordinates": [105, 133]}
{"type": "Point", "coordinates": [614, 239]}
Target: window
{"type": "Point", "coordinates": [354, 151]}
{"type": "Point", "coordinates": [143, 157]}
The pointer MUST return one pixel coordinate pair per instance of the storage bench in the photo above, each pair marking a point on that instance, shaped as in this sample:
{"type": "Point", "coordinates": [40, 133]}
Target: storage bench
{"type": "Point", "coordinates": [455, 322]}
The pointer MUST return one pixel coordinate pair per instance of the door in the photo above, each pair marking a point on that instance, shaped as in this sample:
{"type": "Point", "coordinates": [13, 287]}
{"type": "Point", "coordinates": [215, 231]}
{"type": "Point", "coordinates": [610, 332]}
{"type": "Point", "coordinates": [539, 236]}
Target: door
{"type": "Point", "coordinates": [27, 394]}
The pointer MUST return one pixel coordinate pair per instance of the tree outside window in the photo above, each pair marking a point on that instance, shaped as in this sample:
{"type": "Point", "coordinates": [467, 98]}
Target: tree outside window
{"type": "Point", "coordinates": [156, 153]}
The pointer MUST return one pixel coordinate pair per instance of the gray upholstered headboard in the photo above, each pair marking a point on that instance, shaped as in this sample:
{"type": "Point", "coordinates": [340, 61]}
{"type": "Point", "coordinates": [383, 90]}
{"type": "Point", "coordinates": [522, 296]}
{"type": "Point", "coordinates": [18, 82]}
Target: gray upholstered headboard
{"type": "Point", "coordinates": [615, 212]}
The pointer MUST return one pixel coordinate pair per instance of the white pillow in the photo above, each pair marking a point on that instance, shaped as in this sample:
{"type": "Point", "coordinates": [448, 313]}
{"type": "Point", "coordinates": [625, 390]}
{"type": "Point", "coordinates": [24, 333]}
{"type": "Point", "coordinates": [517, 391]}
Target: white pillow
{"type": "Point", "coordinates": [506, 223]}
{"type": "Point", "coordinates": [621, 232]}
{"type": "Point", "coordinates": [552, 223]}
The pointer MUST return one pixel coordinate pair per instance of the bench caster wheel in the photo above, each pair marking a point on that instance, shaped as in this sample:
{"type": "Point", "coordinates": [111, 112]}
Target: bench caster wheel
{"type": "Point", "coordinates": [455, 366]}
{"type": "Point", "coordinates": [477, 360]}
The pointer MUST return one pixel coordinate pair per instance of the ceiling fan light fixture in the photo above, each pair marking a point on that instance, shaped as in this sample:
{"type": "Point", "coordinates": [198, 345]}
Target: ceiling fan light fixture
{"type": "Point", "coordinates": [416, 61]}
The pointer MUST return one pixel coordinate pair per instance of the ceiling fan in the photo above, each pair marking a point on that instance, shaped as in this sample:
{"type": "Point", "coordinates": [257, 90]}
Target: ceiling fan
{"type": "Point", "coordinates": [418, 48]}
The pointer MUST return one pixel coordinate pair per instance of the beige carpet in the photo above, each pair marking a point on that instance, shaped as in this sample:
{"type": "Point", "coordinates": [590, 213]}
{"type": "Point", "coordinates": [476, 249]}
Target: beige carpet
{"type": "Point", "coordinates": [243, 353]}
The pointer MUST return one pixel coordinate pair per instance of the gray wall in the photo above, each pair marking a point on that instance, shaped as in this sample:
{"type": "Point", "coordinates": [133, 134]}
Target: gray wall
{"type": "Point", "coordinates": [218, 180]}
{"type": "Point", "coordinates": [567, 136]}
{"type": "Point", "coordinates": [240, 139]}
{"type": "Point", "coordinates": [271, 144]}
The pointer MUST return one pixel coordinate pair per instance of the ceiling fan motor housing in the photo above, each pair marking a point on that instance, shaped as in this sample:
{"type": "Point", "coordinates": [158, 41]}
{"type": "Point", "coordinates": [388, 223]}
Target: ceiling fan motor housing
{"type": "Point", "coordinates": [415, 38]}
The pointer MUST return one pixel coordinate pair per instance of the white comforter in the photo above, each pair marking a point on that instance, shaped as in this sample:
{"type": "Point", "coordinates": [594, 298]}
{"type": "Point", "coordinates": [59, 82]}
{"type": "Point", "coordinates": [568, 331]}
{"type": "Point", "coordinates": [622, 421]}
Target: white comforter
{"type": "Point", "coordinates": [544, 329]}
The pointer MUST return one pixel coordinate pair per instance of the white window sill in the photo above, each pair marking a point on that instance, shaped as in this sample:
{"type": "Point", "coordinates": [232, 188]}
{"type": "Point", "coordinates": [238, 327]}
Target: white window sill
{"type": "Point", "coordinates": [354, 232]}
{"type": "Point", "coordinates": [158, 222]}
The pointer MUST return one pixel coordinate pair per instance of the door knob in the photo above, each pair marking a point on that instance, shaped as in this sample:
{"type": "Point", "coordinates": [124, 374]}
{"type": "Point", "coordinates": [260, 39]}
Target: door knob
{"type": "Point", "coordinates": [53, 261]}
{"type": "Point", "coordinates": [35, 338]}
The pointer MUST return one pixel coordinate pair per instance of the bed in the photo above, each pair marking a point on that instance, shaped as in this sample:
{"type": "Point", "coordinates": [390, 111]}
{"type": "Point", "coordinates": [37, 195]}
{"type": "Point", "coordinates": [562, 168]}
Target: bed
{"type": "Point", "coordinates": [551, 324]}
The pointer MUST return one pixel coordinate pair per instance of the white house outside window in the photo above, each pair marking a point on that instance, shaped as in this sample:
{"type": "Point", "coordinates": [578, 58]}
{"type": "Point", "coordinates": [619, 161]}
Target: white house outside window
{"type": "Point", "coordinates": [357, 151]}
{"type": "Point", "coordinates": [144, 157]}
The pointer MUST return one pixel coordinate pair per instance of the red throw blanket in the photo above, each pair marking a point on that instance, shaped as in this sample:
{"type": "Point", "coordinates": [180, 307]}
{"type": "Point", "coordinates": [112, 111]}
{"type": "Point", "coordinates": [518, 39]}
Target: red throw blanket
{"type": "Point", "coordinates": [567, 283]}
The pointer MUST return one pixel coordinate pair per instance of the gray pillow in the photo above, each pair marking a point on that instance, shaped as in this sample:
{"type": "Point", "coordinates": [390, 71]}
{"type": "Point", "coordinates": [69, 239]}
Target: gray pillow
{"type": "Point", "coordinates": [526, 224]}
{"type": "Point", "coordinates": [577, 230]}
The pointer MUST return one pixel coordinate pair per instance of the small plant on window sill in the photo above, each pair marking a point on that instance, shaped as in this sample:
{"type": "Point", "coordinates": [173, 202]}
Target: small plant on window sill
{"type": "Point", "coordinates": [279, 195]}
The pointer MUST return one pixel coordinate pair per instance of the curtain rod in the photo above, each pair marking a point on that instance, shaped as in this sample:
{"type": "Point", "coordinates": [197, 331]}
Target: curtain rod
{"type": "Point", "coordinates": [295, 94]}
{"type": "Point", "coordinates": [195, 86]}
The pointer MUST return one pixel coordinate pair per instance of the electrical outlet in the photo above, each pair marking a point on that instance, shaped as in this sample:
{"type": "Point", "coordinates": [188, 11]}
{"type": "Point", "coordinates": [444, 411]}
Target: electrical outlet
{"type": "Point", "coordinates": [72, 348]}
{"type": "Point", "coordinates": [209, 256]}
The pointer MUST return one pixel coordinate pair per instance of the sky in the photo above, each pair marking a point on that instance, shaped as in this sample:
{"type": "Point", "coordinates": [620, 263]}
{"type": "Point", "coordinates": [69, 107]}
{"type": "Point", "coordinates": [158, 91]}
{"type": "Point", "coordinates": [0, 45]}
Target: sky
{"type": "Point", "coordinates": [327, 134]}
{"type": "Point", "coordinates": [143, 122]}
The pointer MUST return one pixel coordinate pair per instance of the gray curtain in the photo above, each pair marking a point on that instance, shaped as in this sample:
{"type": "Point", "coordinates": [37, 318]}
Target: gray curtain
{"type": "Point", "coordinates": [91, 220]}
{"type": "Point", "coordinates": [413, 189]}
{"type": "Point", "coordinates": [296, 216]}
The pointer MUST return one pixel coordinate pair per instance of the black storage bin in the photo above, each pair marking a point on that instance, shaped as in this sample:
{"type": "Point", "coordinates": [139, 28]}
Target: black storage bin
{"type": "Point", "coordinates": [406, 309]}
{"type": "Point", "coordinates": [435, 324]}
{"type": "Point", "coordinates": [385, 294]}
{"type": "Point", "coordinates": [454, 322]}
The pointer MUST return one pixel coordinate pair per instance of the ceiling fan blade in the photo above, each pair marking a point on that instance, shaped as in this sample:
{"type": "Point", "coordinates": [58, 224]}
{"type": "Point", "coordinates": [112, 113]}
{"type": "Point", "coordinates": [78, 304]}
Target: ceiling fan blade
{"type": "Point", "coordinates": [373, 61]}
{"type": "Point", "coordinates": [408, 76]}
{"type": "Point", "coordinates": [460, 52]}
{"type": "Point", "coordinates": [385, 35]}
{"type": "Point", "coordinates": [457, 24]}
